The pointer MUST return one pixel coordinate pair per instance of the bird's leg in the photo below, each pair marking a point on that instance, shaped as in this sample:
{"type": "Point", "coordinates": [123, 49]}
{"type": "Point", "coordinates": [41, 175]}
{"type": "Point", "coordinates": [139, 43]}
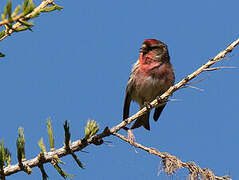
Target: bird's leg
{"type": "Point", "coordinates": [159, 99]}
{"type": "Point", "coordinates": [148, 105]}
{"type": "Point", "coordinates": [161, 102]}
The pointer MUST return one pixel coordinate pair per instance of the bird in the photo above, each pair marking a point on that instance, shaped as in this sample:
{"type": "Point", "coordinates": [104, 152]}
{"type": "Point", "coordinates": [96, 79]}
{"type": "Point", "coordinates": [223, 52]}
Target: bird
{"type": "Point", "coordinates": [150, 77]}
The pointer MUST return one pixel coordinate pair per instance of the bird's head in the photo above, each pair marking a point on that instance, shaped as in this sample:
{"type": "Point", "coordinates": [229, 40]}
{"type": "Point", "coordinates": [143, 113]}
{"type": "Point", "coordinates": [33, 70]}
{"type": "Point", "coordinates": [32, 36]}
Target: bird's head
{"type": "Point", "coordinates": [155, 49]}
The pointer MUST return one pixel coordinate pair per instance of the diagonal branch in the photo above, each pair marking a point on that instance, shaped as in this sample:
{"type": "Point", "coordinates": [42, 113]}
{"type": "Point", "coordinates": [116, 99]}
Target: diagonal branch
{"type": "Point", "coordinates": [44, 4]}
{"type": "Point", "coordinates": [172, 163]}
{"type": "Point", "coordinates": [177, 86]}
{"type": "Point", "coordinates": [6, 21]}
{"type": "Point", "coordinates": [97, 139]}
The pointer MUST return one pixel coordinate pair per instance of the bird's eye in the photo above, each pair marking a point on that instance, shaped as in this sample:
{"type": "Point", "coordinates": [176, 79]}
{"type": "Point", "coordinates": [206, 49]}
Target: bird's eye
{"type": "Point", "coordinates": [144, 48]}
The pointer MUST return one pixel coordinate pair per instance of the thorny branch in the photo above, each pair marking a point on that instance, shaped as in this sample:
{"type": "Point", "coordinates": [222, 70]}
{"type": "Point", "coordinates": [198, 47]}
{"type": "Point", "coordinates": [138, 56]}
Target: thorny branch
{"type": "Point", "coordinates": [171, 163]}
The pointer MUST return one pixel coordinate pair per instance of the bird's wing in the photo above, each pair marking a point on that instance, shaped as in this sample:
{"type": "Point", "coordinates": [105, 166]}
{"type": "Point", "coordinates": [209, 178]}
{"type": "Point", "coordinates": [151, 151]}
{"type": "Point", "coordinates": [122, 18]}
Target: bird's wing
{"type": "Point", "coordinates": [129, 89]}
{"type": "Point", "coordinates": [127, 101]}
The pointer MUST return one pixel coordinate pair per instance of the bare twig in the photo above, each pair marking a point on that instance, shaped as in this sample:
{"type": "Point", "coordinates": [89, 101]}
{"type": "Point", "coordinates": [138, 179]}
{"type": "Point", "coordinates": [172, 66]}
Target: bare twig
{"type": "Point", "coordinates": [193, 87]}
{"type": "Point", "coordinates": [171, 161]}
{"type": "Point", "coordinates": [217, 68]}
{"type": "Point", "coordinates": [196, 82]}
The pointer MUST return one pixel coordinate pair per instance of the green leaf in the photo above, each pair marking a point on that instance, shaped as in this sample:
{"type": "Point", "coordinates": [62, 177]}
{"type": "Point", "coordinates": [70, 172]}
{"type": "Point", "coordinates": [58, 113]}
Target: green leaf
{"type": "Point", "coordinates": [20, 145]}
{"type": "Point", "coordinates": [22, 28]}
{"type": "Point", "coordinates": [60, 171]}
{"type": "Point", "coordinates": [2, 154]}
{"type": "Point", "coordinates": [27, 11]}
{"type": "Point", "coordinates": [2, 34]}
{"type": "Point", "coordinates": [42, 145]}
{"type": "Point", "coordinates": [43, 172]}
{"type": "Point", "coordinates": [25, 4]}
{"type": "Point", "coordinates": [9, 9]}
{"type": "Point", "coordinates": [51, 8]}
{"type": "Point", "coordinates": [91, 129]}
{"type": "Point", "coordinates": [67, 133]}
{"type": "Point", "coordinates": [4, 15]}
{"type": "Point", "coordinates": [28, 7]}
{"type": "Point", "coordinates": [25, 23]}
{"type": "Point", "coordinates": [31, 4]}
{"type": "Point", "coordinates": [5, 155]}
{"type": "Point", "coordinates": [58, 7]}
{"type": "Point", "coordinates": [1, 54]}
{"type": "Point", "coordinates": [16, 11]}
{"type": "Point", "coordinates": [80, 164]}
{"type": "Point", "coordinates": [50, 133]}
{"type": "Point", "coordinates": [8, 157]}
{"type": "Point", "coordinates": [58, 160]}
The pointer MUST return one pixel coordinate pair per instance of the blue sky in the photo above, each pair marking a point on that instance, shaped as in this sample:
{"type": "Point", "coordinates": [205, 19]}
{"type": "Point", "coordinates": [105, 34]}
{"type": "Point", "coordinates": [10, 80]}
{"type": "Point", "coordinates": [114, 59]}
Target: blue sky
{"type": "Point", "coordinates": [75, 66]}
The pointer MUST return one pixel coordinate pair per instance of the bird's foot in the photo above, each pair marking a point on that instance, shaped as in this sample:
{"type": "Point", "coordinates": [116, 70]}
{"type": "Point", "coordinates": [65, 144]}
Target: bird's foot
{"type": "Point", "coordinates": [159, 99]}
{"type": "Point", "coordinates": [148, 105]}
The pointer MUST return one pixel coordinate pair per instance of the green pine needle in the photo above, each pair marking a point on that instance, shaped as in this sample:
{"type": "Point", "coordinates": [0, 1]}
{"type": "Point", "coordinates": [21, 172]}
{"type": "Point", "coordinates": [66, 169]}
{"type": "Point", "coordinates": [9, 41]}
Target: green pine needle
{"type": "Point", "coordinates": [80, 164]}
{"type": "Point", "coordinates": [43, 172]}
{"type": "Point", "coordinates": [25, 4]}
{"type": "Point", "coordinates": [25, 23]}
{"type": "Point", "coordinates": [2, 154]}
{"type": "Point", "coordinates": [8, 157]}
{"type": "Point", "coordinates": [4, 15]}
{"type": "Point", "coordinates": [51, 8]}
{"type": "Point", "coordinates": [2, 55]}
{"type": "Point", "coordinates": [16, 11]}
{"type": "Point", "coordinates": [58, 7]}
{"type": "Point", "coordinates": [67, 133]}
{"type": "Point", "coordinates": [22, 28]}
{"type": "Point", "coordinates": [9, 9]}
{"type": "Point", "coordinates": [50, 133]}
{"type": "Point", "coordinates": [59, 170]}
{"type": "Point", "coordinates": [2, 33]}
{"type": "Point", "coordinates": [28, 7]}
{"type": "Point", "coordinates": [42, 145]}
{"type": "Point", "coordinates": [20, 145]}
{"type": "Point", "coordinates": [91, 129]}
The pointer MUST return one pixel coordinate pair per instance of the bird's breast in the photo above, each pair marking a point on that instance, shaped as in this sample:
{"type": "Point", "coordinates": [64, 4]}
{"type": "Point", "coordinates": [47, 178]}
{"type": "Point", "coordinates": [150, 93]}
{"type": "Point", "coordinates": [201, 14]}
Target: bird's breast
{"type": "Point", "coordinates": [152, 83]}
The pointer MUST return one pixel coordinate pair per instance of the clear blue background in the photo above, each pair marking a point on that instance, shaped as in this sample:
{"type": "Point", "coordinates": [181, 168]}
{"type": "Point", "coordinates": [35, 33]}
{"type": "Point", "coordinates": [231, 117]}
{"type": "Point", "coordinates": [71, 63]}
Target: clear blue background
{"type": "Point", "coordinates": [75, 66]}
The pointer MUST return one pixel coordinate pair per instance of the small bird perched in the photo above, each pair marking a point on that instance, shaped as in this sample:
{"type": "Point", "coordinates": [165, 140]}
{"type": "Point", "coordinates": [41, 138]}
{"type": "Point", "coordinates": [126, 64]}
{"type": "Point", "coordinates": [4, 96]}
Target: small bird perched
{"type": "Point", "coordinates": [150, 77]}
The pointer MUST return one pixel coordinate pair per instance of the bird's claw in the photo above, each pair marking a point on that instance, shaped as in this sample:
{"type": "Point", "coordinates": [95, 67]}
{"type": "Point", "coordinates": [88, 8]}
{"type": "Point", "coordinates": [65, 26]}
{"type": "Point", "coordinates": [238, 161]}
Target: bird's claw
{"type": "Point", "coordinates": [159, 99]}
{"type": "Point", "coordinates": [148, 105]}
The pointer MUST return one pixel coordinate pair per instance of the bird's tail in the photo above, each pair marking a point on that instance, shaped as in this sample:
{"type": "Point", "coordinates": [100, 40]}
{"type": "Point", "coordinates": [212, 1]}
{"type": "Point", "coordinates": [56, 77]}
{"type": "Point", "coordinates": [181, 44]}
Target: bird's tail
{"type": "Point", "coordinates": [142, 121]}
{"type": "Point", "coordinates": [158, 111]}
